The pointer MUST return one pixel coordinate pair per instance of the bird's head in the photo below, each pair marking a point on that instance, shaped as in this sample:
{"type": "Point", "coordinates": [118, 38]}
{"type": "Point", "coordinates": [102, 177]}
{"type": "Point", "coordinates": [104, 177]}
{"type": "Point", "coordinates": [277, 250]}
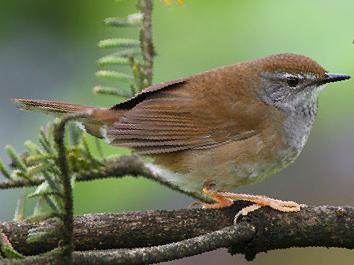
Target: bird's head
{"type": "Point", "coordinates": [287, 81]}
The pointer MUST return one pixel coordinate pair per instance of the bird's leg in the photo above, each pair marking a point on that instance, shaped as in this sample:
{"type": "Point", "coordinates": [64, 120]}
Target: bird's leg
{"type": "Point", "coordinates": [282, 206]}
{"type": "Point", "coordinates": [246, 210]}
{"type": "Point", "coordinates": [221, 201]}
{"type": "Point", "coordinates": [224, 199]}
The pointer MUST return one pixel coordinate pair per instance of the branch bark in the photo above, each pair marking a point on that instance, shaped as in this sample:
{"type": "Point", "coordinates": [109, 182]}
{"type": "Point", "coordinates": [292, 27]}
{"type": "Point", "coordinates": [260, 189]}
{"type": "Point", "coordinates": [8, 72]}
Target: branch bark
{"type": "Point", "coordinates": [117, 167]}
{"type": "Point", "coordinates": [225, 237]}
{"type": "Point", "coordinates": [323, 226]}
{"type": "Point", "coordinates": [67, 218]}
{"type": "Point", "coordinates": [147, 45]}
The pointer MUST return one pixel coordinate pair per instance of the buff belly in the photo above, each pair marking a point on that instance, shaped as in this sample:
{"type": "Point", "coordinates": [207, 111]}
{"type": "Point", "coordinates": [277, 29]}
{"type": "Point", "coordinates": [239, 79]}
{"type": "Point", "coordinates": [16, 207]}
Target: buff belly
{"type": "Point", "coordinates": [227, 166]}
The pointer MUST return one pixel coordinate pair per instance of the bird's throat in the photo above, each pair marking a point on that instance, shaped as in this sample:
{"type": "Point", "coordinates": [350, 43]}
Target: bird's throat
{"type": "Point", "coordinates": [297, 127]}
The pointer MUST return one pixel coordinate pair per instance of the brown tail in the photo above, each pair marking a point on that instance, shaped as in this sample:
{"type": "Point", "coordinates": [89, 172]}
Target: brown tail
{"type": "Point", "coordinates": [98, 119]}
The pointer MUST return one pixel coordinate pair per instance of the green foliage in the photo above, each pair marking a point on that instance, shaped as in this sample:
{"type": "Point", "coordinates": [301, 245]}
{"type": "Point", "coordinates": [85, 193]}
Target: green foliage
{"type": "Point", "coordinates": [119, 43]}
{"type": "Point", "coordinates": [20, 207]}
{"type": "Point", "coordinates": [41, 162]}
{"type": "Point", "coordinates": [114, 75]}
{"type": "Point", "coordinates": [109, 91]}
{"type": "Point", "coordinates": [38, 234]}
{"type": "Point", "coordinates": [7, 250]}
{"type": "Point", "coordinates": [44, 162]}
{"type": "Point", "coordinates": [132, 20]}
{"type": "Point", "coordinates": [5, 172]}
{"type": "Point", "coordinates": [127, 53]}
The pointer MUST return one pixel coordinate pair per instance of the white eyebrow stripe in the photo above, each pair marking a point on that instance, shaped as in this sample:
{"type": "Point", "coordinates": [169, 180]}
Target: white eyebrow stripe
{"type": "Point", "coordinates": [300, 76]}
{"type": "Point", "coordinates": [285, 75]}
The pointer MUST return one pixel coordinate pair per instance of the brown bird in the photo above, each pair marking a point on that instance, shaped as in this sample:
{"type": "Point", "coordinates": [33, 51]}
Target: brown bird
{"type": "Point", "coordinates": [217, 130]}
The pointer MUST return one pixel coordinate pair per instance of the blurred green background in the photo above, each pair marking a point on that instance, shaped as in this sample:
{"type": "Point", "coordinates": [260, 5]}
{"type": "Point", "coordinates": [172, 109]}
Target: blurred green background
{"type": "Point", "coordinates": [48, 50]}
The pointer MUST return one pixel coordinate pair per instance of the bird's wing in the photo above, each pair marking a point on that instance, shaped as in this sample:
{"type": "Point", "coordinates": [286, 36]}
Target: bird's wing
{"type": "Point", "coordinates": [171, 120]}
{"type": "Point", "coordinates": [131, 102]}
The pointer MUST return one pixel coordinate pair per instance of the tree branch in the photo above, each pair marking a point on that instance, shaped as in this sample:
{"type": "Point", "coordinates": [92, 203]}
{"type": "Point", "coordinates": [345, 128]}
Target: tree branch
{"type": "Point", "coordinates": [117, 167]}
{"type": "Point", "coordinates": [68, 228]}
{"type": "Point", "coordinates": [238, 234]}
{"type": "Point", "coordinates": [147, 46]}
{"type": "Point", "coordinates": [50, 258]}
{"type": "Point", "coordinates": [323, 226]}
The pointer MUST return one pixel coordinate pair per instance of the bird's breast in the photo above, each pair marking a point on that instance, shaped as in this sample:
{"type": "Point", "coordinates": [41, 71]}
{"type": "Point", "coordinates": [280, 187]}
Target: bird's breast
{"type": "Point", "coordinates": [240, 162]}
{"type": "Point", "coordinates": [229, 165]}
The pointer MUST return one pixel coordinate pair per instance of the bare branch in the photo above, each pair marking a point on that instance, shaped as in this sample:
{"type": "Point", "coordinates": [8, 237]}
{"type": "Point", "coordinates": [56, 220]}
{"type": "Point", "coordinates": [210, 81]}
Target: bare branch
{"type": "Point", "coordinates": [146, 39]}
{"type": "Point", "coordinates": [324, 226]}
{"type": "Point", "coordinates": [52, 257]}
{"type": "Point", "coordinates": [117, 167]}
{"type": "Point", "coordinates": [68, 228]}
{"type": "Point", "coordinates": [20, 183]}
{"type": "Point", "coordinates": [238, 234]}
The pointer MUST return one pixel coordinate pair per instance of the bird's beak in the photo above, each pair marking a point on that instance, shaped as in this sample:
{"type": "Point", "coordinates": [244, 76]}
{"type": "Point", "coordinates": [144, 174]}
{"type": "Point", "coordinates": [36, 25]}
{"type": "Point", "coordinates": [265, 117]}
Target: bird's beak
{"type": "Point", "coordinates": [331, 77]}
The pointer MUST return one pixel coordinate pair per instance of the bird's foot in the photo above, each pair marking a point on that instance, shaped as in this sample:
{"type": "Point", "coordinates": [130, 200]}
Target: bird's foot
{"type": "Point", "coordinates": [225, 199]}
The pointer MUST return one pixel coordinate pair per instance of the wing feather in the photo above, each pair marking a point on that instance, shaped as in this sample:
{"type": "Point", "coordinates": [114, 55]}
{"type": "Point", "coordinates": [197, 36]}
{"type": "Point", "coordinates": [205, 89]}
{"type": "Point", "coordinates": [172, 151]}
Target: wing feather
{"type": "Point", "coordinates": [169, 120]}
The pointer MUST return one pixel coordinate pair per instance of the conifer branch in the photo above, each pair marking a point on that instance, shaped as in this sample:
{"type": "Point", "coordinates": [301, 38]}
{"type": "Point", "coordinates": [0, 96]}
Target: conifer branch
{"type": "Point", "coordinates": [116, 167]}
{"type": "Point", "coordinates": [67, 219]}
{"type": "Point", "coordinates": [146, 40]}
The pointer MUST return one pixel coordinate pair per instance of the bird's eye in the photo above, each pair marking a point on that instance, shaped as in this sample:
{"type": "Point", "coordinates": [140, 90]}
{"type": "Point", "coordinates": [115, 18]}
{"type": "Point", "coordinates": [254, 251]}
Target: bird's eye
{"type": "Point", "coordinates": [292, 81]}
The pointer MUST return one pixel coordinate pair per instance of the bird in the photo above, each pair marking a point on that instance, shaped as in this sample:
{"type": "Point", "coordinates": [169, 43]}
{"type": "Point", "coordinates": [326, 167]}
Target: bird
{"type": "Point", "coordinates": [218, 130]}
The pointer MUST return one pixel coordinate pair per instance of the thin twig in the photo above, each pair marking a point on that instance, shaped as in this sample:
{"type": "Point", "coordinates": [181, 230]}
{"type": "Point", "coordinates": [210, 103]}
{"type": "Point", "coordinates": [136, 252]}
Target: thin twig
{"type": "Point", "coordinates": [59, 138]}
{"type": "Point", "coordinates": [146, 40]}
{"type": "Point", "coordinates": [19, 183]}
{"type": "Point", "coordinates": [49, 258]}
{"type": "Point", "coordinates": [238, 234]}
{"type": "Point", "coordinates": [117, 167]}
